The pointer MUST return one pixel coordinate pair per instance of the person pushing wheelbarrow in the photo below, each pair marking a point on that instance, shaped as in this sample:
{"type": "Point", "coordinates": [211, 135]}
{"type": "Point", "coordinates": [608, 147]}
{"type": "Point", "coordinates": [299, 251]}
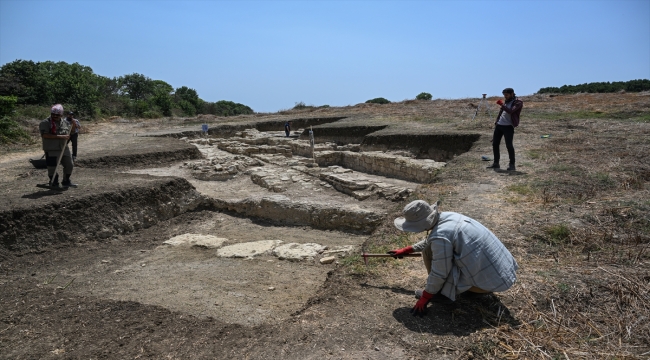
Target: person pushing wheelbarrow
{"type": "Point", "coordinates": [459, 253]}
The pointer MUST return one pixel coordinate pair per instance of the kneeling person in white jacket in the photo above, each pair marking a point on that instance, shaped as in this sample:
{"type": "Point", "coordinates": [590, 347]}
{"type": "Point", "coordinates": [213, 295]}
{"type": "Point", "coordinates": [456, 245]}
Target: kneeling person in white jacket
{"type": "Point", "coordinates": [460, 254]}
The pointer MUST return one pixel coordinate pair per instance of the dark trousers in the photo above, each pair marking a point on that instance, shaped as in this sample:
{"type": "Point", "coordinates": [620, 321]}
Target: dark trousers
{"type": "Point", "coordinates": [73, 140]}
{"type": "Point", "coordinates": [508, 132]}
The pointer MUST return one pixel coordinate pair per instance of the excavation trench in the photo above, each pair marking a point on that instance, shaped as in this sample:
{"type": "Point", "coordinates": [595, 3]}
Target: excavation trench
{"type": "Point", "coordinates": [241, 228]}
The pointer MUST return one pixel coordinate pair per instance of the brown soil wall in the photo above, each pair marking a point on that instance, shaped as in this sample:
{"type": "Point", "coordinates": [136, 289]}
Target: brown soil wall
{"type": "Point", "coordinates": [285, 212]}
{"type": "Point", "coordinates": [140, 159]}
{"type": "Point", "coordinates": [228, 130]}
{"type": "Point", "coordinates": [439, 147]}
{"type": "Point", "coordinates": [97, 216]}
{"type": "Point", "coordinates": [341, 135]}
{"type": "Point", "coordinates": [278, 125]}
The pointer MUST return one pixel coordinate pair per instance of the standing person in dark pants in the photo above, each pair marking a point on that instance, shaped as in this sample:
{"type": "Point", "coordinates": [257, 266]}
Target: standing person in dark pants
{"type": "Point", "coordinates": [287, 128]}
{"type": "Point", "coordinates": [55, 132]}
{"type": "Point", "coordinates": [507, 121]}
{"type": "Point", "coordinates": [75, 134]}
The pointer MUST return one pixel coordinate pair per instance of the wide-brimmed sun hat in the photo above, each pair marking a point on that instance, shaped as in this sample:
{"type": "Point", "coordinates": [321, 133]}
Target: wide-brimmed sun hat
{"type": "Point", "coordinates": [418, 216]}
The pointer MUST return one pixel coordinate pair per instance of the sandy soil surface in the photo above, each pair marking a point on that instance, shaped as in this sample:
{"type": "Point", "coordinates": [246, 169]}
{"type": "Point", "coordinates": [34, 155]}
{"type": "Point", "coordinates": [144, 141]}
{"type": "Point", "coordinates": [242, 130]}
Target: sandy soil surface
{"type": "Point", "coordinates": [113, 292]}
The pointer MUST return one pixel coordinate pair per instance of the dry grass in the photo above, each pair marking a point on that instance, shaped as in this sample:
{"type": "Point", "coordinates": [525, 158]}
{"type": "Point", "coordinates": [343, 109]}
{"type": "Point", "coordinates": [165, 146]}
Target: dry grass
{"type": "Point", "coordinates": [578, 221]}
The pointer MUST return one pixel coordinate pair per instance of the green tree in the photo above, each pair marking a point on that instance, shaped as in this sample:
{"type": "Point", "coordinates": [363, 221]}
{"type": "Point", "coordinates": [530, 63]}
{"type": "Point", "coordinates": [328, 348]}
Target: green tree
{"type": "Point", "coordinates": [379, 100]}
{"type": "Point", "coordinates": [23, 79]}
{"type": "Point", "coordinates": [162, 98]}
{"type": "Point", "coordinates": [424, 96]}
{"type": "Point", "coordinates": [136, 86]}
{"type": "Point", "coordinates": [226, 108]}
{"type": "Point", "coordinates": [188, 100]}
{"type": "Point", "coordinates": [7, 105]}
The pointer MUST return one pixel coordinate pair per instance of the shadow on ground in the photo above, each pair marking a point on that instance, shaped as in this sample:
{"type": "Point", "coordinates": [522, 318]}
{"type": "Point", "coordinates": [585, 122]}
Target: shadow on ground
{"type": "Point", "coordinates": [462, 318]}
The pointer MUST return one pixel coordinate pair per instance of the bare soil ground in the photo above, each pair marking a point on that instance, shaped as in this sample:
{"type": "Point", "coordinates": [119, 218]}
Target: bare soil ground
{"type": "Point", "coordinates": [574, 214]}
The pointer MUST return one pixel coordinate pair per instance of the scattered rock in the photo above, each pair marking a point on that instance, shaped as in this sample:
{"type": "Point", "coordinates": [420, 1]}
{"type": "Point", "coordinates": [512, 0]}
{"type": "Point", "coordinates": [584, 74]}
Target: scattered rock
{"type": "Point", "coordinates": [327, 260]}
{"type": "Point", "coordinates": [249, 249]}
{"type": "Point", "coordinates": [297, 252]}
{"type": "Point", "coordinates": [199, 240]}
{"type": "Point", "coordinates": [104, 233]}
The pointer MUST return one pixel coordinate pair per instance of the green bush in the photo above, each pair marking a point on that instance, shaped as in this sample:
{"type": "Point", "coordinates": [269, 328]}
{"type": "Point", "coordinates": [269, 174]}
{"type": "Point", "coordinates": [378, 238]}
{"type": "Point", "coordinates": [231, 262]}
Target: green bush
{"type": "Point", "coordinates": [38, 85]}
{"type": "Point", "coordinates": [187, 107]}
{"type": "Point", "coordinates": [152, 114]}
{"type": "Point", "coordinates": [31, 112]}
{"type": "Point", "coordinates": [424, 96]}
{"type": "Point", "coordinates": [379, 100]}
{"type": "Point", "coordinates": [558, 234]}
{"type": "Point", "coordinates": [225, 108]}
{"type": "Point", "coordinates": [11, 132]}
{"type": "Point", "coordinates": [599, 87]}
{"type": "Point", "coordinates": [7, 105]}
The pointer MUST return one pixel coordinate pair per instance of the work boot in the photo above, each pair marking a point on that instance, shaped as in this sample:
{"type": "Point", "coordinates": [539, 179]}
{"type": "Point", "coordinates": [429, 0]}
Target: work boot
{"type": "Point", "coordinates": [494, 166]}
{"type": "Point", "coordinates": [55, 183]}
{"type": "Point", "coordinates": [66, 182]}
{"type": "Point", "coordinates": [511, 167]}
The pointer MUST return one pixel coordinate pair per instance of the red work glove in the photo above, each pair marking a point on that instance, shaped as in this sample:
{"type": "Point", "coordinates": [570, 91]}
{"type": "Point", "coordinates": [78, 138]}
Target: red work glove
{"type": "Point", "coordinates": [420, 307]}
{"type": "Point", "coordinates": [399, 253]}
{"type": "Point", "coordinates": [499, 102]}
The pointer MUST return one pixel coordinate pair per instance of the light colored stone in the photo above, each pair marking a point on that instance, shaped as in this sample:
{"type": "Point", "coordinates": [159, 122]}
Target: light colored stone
{"type": "Point", "coordinates": [327, 260]}
{"type": "Point", "coordinates": [340, 251]}
{"type": "Point", "coordinates": [297, 252]}
{"type": "Point", "coordinates": [206, 241]}
{"type": "Point", "coordinates": [249, 249]}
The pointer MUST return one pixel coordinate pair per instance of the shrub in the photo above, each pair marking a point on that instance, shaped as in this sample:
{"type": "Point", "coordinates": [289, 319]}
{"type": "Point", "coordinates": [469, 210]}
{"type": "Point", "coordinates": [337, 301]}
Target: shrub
{"type": "Point", "coordinates": [187, 107]}
{"type": "Point", "coordinates": [225, 108]}
{"type": "Point", "coordinates": [7, 105]}
{"type": "Point", "coordinates": [558, 234]}
{"type": "Point", "coordinates": [152, 114]}
{"type": "Point", "coordinates": [379, 100]}
{"type": "Point", "coordinates": [424, 96]}
{"type": "Point", "coordinates": [600, 87]}
{"type": "Point", "coordinates": [11, 132]}
{"type": "Point", "coordinates": [301, 105]}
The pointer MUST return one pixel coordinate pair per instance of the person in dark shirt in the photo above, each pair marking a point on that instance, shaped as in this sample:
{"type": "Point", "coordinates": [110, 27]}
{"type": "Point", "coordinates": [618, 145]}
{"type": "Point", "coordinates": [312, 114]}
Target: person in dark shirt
{"type": "Point", "coordinates": [507, 121]}
{"type": "Point", "coordinates": [75, 134]}
{"type": "Point", "coordinates": [287, 128]}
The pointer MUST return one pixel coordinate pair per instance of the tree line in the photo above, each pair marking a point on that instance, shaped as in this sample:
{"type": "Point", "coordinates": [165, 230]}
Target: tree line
{"type": "Point", "coordinates": [81, 90]}
{"type": "Point", "coordinates": [600, 87]}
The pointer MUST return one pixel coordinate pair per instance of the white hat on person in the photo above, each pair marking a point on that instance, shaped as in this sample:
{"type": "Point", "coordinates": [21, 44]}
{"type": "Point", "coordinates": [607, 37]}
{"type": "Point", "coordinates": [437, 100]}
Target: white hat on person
{"type": "Point", "coordinates": [418, 216]}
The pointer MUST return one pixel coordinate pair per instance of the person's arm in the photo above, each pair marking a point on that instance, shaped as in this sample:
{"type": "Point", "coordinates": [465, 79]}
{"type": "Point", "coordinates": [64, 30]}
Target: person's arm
{"type": "Point", "coordinates": [441, 262]}
{"type": "Point", "coordinates": [516, 107]}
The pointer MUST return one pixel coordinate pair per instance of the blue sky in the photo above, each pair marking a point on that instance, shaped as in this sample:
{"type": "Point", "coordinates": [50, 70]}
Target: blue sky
{"type": "Point", "coordinates": [271, 54]}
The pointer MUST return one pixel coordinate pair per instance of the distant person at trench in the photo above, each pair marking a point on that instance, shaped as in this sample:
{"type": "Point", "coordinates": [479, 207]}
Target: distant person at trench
{"type": "Point", "coordinates": [287, 128]}
{"type": "Point", "coordinates": [459, 253]}
{"type": "Point", "coordinates": [55, 133]}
